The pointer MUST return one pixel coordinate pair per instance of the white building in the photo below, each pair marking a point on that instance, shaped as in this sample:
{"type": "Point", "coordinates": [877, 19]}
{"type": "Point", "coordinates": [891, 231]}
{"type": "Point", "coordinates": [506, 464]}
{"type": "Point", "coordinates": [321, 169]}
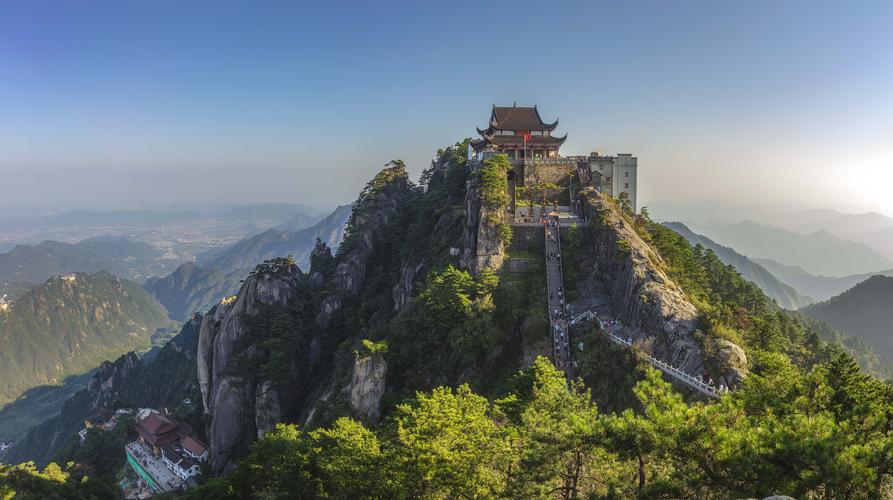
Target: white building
{"type": "Point", "coordinates": [614, 175]}
{"type": "Point", "coordinates": [183, 467]}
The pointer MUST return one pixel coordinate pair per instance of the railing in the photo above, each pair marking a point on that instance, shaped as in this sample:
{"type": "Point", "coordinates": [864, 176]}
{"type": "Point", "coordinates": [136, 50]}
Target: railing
{"type": "Point", "coordinates": [695, 383]}
{"type": "Point", "coordinates": [698, 385]}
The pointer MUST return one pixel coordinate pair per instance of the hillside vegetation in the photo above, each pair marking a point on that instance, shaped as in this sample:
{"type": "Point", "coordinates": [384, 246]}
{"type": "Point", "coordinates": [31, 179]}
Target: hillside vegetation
{"type": "Point", "coordinates": [863, 311]}
{"type": "Point", "coordinates": [460, 420]}
{"type": "Point", "coordinates": [389, 370]}
{"type": "Point", "coordinates": [69, 325]}
{"type": "Point", "coordinates": [164, 380]}
{"type": "Point", "coordinates": [785, 296]}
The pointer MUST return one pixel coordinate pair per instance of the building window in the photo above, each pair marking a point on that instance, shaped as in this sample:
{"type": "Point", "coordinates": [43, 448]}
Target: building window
{"type": "Point", "coordinates": [626, 174]}
{"type": "Point", "coordinates": [626, 186]}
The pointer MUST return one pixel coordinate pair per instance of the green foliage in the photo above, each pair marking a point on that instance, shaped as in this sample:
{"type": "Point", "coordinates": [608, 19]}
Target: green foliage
{"type": "Point", "coordinates": [821, 433]}
{"type": "Point", "coordinates": [624, 203]}
{"type": "Point", "coordinates": [446, 445]}
{"type": "Point", "coordinates": [393, 175]}
{"type": "Point", "coordinates": [460, 308]}
{"type": "Point", "coordinates": [276, 267]}
{"type": "Point", "coordinates": [574, 243]}
{"type": "Point", "coordinates": [623, 247]}
{"type": "Point", "coordinates": [100, 453]}
{"type": "Point", "coordinates": [371, 347]}
{"type": "Point", "coordinates": [494, 182]}
{"type": "Point", "coordinates": [26, 482]}
{"type": "Point", "coordinates": [503, 231]}
{"type": "Point", "coordinates": [538, 193]}
{"type": "Point", "coordinates": [278, 340]}
{"type": "Point", "coordinates": [69, 325]}
{"type": "Point", "coordinates": [165, 381]}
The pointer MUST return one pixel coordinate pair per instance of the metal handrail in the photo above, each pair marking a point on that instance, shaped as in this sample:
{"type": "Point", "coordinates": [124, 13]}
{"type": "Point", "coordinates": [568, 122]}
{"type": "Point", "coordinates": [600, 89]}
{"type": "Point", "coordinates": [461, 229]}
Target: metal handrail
{"type": "Point", "coordinates": [699, 385]}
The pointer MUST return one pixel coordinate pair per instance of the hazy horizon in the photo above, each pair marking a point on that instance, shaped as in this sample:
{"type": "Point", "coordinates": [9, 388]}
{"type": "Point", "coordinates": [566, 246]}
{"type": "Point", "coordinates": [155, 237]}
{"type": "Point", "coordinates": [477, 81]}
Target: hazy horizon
{"type": "Point", "coordinates": [124, 106]}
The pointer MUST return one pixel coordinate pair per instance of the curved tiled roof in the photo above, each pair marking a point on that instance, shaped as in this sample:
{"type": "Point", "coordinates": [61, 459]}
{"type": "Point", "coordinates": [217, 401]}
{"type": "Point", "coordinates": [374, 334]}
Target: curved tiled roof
{"type": "Point", "coordinates": [517, 118]}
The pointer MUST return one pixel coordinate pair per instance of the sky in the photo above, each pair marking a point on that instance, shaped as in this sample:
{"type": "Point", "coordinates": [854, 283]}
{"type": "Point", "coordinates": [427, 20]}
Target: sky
{"type": "Point", "coordinates": [181, 103]}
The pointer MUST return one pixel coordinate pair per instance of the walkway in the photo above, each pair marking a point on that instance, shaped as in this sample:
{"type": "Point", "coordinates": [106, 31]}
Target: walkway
{"type": "Point", "coordinates": [141, 458]}
{"type": "Point", "coordinates": [613, 329]}
{"type": "Point", "coordinates": [557, 306]}
{"type": "Point", "coordinates": [535, 215]}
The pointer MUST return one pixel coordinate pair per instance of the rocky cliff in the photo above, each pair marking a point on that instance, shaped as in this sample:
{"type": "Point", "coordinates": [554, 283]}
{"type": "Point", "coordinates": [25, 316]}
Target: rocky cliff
{"type": "Point", "coordinates": [643, 296]}
{"type": "Point", "coordinates": [367, 386]}
{"type": "Point", "coordinates": [244, 404]}
{"type": "Point", "coordinates": [241, 409]}
{"type": "Point", "coordinates": [482, 246]}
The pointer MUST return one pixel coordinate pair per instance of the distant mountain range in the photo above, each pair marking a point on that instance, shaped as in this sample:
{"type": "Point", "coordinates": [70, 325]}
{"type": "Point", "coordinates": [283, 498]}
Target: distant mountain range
{"type": "Point", "coordinates": [818, 287]}
{"type": "Point", "coordinates": [69, 325]}
{"type": "Point", "coordinates": [819, 253]}
{"type": "Point", "coordinates": [272, 214]}
{"type": "Point", "coordinates": [784, 295]}
{"type": "Point", "coordinates": [871, 228]}
{"type": "Point", "coordinates": [195, 287]}
{"type": "Point", "coordinates": [268, 214]}
{"type": "Point", "coordinates": [192, 289]}
{"type": "Point", "coordinates": [245, 254]}
{"type": "Point", "coordinates": [863, 311]}
{"type": "Point", "coordinates": [26, 265]}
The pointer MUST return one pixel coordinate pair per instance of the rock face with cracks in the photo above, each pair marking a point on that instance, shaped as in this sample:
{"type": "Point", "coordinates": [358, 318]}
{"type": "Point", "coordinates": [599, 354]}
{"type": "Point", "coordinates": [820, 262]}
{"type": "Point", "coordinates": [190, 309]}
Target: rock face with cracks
{"type": "Point", "coordinates": [644, 297]}
{"type": "Point", "coordinates": [367, 386]}
{"type": "Point", "coordinates": [240, 410]}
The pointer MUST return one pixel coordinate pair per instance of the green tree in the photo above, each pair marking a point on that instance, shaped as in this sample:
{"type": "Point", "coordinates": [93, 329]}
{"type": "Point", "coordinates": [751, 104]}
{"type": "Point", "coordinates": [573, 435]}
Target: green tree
{"type": "Point", "coordinates": [349, 459]}
{"type": "Point", "coordinates": [446, 445]}
{"type": "Point", "coordinates": [494, 182]}
{"type": "Point", "coordinates": [557, 434]}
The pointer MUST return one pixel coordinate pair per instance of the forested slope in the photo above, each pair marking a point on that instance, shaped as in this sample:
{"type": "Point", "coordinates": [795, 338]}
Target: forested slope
{"type": "Point", "coordinates": [69, 325]}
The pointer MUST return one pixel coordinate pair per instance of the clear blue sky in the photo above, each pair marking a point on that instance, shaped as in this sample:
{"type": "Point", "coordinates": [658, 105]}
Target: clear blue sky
{"type": "Point", "coordinates": [176, 102]}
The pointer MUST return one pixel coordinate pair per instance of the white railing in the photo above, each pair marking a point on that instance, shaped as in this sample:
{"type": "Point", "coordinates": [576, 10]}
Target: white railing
{"type": "Point", "coordinates": [693, 382]}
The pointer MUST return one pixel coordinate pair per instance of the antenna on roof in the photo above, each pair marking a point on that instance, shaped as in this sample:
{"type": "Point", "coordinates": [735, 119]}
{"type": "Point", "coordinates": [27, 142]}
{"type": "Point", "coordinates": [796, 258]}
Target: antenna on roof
{"type": "Point", "coordinates": [514, 104]}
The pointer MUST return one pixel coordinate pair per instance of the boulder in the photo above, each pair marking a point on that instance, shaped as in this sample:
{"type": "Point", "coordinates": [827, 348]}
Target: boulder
{"type": "Point", "coordinates": [367, 386]}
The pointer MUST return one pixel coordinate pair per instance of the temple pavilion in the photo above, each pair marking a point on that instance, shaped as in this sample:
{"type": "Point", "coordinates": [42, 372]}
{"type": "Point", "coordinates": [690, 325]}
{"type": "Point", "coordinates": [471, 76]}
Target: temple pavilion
{"type": "Point", "coordinates": [520, 133]}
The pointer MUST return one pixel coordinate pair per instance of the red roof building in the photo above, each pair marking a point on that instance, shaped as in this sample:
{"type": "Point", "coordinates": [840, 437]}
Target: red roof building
{"type": "Point", "coordinates": [519, 132]}
{"type": "Point", "coordinates": [194, 448]}
{"type": "Point", "coordinates": [157, 430]}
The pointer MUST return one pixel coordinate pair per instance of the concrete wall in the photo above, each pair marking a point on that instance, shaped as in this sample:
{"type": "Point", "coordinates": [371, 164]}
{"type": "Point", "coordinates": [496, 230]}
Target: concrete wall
{"type": "Point", "coordinates": [548, 173]}
{"type": "Point", "coordinates": [603, 165]}
{"type": "Point", "coordinates": [625, 167]}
